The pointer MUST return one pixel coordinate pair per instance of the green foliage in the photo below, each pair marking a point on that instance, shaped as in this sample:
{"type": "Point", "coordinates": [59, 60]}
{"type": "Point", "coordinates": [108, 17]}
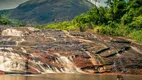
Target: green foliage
{"type": "Point", "coordinates": [3, 21]}
{"type": "Point", "coordinates": [137, 35]}
{"type": "Point", "coordinates": [115, 30]}
{"type": "Point", "coordinates": [48, 11]}
{"type": "Point", "coordinates": [39, 26]}
{"type": "Point", "coordinates": [12, 22]}
{"type": "Point", "coordinates": [119, 18]}
{"type": "Point", "coordinates": [137, 23]}
{"type": "Point", "coordinates": [94, 15]}
{"type": "Point", "coordinates": [61, 26]}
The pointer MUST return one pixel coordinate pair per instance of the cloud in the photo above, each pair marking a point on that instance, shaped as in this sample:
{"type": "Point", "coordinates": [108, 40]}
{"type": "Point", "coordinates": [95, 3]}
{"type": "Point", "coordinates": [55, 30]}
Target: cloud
{"type": "Point", "coordinates": [8, 4]}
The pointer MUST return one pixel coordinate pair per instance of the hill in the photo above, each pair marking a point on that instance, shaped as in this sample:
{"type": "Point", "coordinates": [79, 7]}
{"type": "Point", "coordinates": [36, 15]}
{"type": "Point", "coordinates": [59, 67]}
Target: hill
{"type": "Point", "coordinates": [45, 11]}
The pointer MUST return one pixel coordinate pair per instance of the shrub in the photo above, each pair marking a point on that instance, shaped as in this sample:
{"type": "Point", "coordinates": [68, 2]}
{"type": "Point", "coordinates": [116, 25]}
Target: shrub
{"type": "Point", "coordinates": [61, 26]}
{"type": "Point", "coordinates": [137, 35]}
{"type": "Point", "coordinates": [3, 21]}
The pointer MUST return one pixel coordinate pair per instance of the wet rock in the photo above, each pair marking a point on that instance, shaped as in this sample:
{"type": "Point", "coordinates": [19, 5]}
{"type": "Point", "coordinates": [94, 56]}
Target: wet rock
{"type": "Point", "coordinates": [11, 32]}
{"type": "Point", "coordinates": [56, 51]}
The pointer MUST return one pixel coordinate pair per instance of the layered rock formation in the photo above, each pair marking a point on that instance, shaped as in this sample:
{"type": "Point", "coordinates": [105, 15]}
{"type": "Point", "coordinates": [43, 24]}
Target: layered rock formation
{"type": "Point", "coordinates": [56, 51]}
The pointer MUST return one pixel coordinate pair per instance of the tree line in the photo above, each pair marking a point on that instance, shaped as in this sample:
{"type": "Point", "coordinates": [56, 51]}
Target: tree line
{"type": "Point", "coordinates": [12, 22]}
{"type": "Point", "coordinates": [118, 18]}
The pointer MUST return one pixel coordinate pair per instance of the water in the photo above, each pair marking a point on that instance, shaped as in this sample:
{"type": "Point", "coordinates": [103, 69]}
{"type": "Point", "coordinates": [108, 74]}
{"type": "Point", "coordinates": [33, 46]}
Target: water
{"type": "Point", "coordinates": [68, 77]}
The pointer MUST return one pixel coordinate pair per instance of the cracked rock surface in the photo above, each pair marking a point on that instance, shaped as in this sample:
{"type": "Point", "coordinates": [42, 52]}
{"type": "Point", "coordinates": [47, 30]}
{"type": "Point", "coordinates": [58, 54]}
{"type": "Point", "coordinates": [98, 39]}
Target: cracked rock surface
{"type": "Point", "coordinates": [25, 49]}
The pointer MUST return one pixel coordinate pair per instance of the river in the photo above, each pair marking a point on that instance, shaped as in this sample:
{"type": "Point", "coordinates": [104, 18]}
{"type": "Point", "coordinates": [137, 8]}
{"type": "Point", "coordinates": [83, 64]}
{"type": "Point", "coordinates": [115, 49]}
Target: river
{"type": "Point", "coordinates": [68, 77]}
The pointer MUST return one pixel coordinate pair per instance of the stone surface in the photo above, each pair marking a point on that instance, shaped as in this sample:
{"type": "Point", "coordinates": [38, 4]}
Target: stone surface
{"type": "Point", "coordinates": [11, 32]}
{"type": "Point", "coordinates": [57, 51]}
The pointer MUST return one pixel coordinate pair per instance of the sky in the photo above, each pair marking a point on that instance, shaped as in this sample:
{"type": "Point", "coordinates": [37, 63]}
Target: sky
{"type": "Point", "coordinates": [8, 4]}
{"type": "Point", "coordinates": [99, 2]}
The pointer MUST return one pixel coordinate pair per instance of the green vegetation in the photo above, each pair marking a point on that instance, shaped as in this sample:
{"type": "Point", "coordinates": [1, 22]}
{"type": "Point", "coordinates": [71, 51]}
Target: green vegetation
{"type": "Point", "coordinates": [3, 21]}
{"type": "Point", "coordinates": [11, 22]}
{"type": "Point", "coordinates": [47, 11]}
{"type": "Point", "coordinates": [119, 18]}
{"type": "Point", "coordinates": [62, 25]}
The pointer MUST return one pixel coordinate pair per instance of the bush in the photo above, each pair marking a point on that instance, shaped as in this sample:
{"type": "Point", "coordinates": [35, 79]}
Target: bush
{"type": "Point", "coordinates": [137, 35]}
{"type": "Point", "coordinates": [107, 30]}
{"type": "Point", "coordinates": [137, 23]}
{"type": "Point", "coordinates": [61, 26]}
{"type": "Point", "coordinates": [3, 21]}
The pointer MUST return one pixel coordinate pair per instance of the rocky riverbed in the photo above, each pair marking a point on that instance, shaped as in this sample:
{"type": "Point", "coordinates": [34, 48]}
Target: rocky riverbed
{"type": "Point", "coordinates": [26, 49]}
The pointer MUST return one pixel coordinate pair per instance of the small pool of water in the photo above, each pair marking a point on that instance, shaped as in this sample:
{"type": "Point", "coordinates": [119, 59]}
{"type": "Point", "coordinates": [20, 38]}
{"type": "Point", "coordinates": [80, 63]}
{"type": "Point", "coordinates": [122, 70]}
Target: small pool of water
{"type": "Point", "coordinates": [69, 77]}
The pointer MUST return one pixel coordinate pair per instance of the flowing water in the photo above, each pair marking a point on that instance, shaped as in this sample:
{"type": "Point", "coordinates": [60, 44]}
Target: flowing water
{"type": "Point", "coordinates": [68, 77]}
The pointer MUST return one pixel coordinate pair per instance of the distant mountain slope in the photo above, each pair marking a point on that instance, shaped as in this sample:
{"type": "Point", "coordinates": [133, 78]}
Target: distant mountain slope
{"type": "Point", "coordinates": [45, 11]}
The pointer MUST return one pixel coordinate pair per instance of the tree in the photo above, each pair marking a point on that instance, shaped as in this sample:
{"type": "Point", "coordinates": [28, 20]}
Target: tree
{"type": "Point", "coordinates": [3, 21]}
{"type": "Point", "coordinates": [137, 23]}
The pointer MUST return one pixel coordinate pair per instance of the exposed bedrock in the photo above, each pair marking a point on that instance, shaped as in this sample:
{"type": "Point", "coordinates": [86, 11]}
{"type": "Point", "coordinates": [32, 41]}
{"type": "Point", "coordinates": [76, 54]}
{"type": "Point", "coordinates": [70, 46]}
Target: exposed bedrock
{"type": "Point", "coordinates": [56, 51]}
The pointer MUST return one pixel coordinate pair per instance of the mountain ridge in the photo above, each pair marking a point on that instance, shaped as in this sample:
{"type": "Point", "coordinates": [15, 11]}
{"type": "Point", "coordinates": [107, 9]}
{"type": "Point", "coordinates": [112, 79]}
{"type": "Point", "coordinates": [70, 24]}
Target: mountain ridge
{"type": "Point", "coordinates": [46, 11]}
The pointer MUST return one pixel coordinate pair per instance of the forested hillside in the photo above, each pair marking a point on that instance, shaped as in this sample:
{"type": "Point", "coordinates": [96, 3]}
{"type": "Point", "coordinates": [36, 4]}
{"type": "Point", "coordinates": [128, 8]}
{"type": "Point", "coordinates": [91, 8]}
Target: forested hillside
{"type": "Point", "coordinates": [46, 11]}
